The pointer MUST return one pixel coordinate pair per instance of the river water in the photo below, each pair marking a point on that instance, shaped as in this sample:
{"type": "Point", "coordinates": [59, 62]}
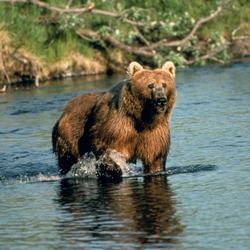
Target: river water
{"type": "Point", "coordinates": [203, 201]}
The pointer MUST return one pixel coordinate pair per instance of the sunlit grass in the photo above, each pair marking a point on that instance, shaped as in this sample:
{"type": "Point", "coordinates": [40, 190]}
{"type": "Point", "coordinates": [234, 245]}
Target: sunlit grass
{"type": "Point", "coordinates": [51, 36]}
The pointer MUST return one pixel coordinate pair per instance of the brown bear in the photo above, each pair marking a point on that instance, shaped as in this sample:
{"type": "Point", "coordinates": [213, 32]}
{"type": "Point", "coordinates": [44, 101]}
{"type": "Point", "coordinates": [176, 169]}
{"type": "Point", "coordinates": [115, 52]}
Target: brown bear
{"type": "Point", "coordinates": [132, 118]}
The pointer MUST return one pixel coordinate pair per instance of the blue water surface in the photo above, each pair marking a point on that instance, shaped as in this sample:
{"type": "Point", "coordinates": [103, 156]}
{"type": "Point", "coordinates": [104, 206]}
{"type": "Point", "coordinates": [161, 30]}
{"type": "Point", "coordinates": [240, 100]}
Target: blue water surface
{"type": "Point", "coordinates": [202, 202]}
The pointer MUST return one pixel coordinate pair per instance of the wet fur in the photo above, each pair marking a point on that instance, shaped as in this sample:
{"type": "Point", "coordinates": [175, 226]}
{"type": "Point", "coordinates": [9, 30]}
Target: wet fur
{"type": "Point", "coordinates": [121, 119]}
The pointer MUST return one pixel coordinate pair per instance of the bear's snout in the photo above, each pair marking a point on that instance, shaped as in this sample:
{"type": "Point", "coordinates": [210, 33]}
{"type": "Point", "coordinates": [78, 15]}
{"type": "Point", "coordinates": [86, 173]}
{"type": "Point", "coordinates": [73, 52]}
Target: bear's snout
{"type": "Point", "coordinates": [160, 104]}
{"type": "Point", "coordinates": [161, 101]}
{"type": "Point", "coordinates": [160, 97]}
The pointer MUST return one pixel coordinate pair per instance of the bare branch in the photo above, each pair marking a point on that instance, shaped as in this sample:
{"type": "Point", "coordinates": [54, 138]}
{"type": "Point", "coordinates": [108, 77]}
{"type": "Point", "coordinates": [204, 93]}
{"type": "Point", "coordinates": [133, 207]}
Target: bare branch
{"type": "Point", "coordinates": [189, 36]}
{"type": "Point", "coordinates": [89, 9]}
{"type": "Point", "coordinates": [149, 50]}
{"type": "Point", "coordinates": [208, 56]}
{"type": "Point", "coordinates": [68, 4]}
{"type": "Point", "coordinates": [115, 43]}
{"type": "Point", "coordinates": [47, 6]}
{"type": "Point", "coordinates": [139, 34]}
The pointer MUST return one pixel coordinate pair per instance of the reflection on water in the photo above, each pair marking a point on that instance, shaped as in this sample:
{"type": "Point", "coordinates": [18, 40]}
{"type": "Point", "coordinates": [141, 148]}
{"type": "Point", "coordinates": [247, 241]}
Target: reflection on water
{"type": "Point", "coordinates": [136, 211]}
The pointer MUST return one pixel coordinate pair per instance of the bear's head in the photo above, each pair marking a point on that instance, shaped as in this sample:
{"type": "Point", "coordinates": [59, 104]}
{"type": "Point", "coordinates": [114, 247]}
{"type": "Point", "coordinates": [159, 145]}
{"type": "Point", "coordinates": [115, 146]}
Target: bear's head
{"type": "Point", "coordinates": [155, 88]}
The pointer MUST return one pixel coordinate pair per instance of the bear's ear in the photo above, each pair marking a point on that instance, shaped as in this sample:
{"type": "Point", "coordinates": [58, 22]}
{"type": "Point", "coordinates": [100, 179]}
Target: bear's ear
{"type": "Point", "coordinates": [169, 66]}
{"type": "Point", "coordinates": [133, 68]}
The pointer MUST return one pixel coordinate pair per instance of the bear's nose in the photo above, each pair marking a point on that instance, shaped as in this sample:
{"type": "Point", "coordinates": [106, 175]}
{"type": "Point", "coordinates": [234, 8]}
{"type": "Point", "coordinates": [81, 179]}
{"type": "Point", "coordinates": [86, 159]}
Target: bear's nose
{"type": "Point", "coordinates": [161, 101]}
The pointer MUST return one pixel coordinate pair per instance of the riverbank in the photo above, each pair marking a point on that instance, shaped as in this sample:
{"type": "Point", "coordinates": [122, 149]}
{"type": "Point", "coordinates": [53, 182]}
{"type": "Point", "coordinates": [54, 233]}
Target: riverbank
{"type": "Point", "coordinates": [42, 41]}
{"type": "Point", "coordinates": [32, 72]}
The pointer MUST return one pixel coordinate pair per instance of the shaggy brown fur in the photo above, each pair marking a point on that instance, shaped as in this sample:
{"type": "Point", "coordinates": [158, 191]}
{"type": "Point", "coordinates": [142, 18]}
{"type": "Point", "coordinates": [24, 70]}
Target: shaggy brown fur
{"type": "Point", "coordinates": [132, 118]}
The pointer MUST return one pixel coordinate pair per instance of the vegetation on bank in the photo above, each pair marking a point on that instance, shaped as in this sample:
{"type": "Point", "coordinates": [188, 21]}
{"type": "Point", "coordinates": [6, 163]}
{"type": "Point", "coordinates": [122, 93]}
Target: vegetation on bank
{"type": "Point", "coordinates": [58, 38]}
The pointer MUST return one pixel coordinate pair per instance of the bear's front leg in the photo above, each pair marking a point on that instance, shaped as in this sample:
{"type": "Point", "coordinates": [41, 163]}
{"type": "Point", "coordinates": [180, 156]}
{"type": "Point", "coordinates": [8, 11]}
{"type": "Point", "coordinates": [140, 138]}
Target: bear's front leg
{"type": "Point", "coordinates": [155, 166]}
{"type": "Point", "coordinates": [107, 167]}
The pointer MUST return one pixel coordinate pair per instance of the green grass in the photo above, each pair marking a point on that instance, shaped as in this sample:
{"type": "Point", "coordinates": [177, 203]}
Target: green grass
{"type": "Point", "coordinates": [50, 36]}
{"type": "Point", "coordinates": [33, 29]}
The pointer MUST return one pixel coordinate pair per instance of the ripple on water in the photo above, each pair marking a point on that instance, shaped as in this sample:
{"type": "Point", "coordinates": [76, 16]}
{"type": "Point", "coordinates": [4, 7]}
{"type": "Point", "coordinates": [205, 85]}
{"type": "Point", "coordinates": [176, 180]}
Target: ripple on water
{"type": "Point", "coordinates": [87, 167]}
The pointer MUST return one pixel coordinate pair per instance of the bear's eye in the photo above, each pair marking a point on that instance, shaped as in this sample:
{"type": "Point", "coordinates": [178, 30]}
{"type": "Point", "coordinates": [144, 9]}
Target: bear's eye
{"type": "Point", "coordinates": [151, 86]}
{"type": "Point", "coordinates": [164, 85]}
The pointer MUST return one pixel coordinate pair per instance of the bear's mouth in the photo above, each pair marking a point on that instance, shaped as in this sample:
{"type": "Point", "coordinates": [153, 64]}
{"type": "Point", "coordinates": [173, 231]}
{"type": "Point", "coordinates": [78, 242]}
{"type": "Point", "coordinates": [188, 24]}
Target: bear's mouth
{"type": "Point", "coordinates": [160, 104]}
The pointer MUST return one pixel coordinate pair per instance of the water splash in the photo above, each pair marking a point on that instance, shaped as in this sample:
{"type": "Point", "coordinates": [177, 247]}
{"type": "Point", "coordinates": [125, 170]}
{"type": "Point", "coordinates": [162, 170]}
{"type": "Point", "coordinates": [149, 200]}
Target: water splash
{"type": "Point", "coordinates": [84, 168]}
{"type": "Point", "coordinates": [87, 166]}
{"type": "Point", "coordinates": [127, 169]}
